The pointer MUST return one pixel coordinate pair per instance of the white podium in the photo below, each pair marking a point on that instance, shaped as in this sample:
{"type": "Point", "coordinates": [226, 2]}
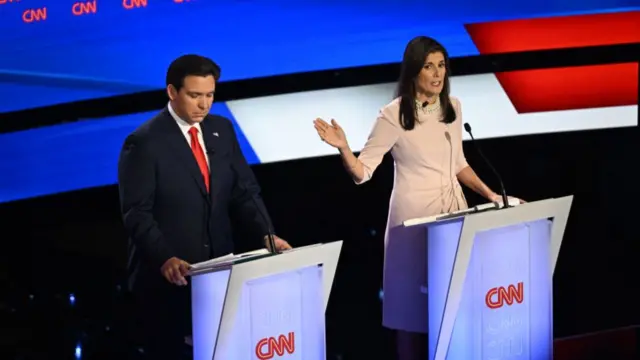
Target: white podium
{"type": "Point", "coordinates": [490, 281]}
{"type": "Point", "coordinates": [264, 307]}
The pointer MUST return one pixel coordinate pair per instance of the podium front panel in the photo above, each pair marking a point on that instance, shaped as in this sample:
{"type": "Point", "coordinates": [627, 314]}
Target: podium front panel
{"type": "Point", "coordinates": [279, 316]}
{"type": "Point", "coordinates": [505, 310]}
{"type": "Point", "coordinates": [208, 292]}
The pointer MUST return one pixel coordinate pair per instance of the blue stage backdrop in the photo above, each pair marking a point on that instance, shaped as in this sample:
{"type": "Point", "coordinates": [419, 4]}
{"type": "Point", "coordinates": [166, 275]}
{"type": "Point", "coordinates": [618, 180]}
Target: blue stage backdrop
{"type": "Point", "coordinates": [55, 51]}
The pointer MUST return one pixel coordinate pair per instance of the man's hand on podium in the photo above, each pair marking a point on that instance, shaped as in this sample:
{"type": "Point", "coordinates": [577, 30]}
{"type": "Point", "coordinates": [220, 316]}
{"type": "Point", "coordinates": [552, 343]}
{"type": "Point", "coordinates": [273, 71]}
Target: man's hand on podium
{"type": "Point", "coordinates": [174, 270]}
{"type": "Point", "coordinates": [281, 245]}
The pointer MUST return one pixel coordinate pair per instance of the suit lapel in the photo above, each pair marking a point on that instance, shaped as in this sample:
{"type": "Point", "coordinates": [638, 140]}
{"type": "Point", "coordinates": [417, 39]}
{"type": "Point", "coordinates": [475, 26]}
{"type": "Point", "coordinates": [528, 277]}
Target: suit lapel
{"type": "Point", "coordinates": [211, 136]}
{"type": "Point", "coordinates": [182, 150]}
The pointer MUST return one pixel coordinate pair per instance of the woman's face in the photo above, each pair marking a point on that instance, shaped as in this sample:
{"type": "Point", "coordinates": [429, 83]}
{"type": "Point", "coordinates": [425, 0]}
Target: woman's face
{"type": "Point", "coordinates": [431, 78]}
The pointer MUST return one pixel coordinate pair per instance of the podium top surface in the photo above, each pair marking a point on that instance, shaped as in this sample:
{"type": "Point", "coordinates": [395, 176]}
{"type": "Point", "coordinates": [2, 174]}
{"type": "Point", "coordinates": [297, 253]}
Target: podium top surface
{"type": "Point", "coordinates": [458, 214]}
{"type": "Point", "coordinates": [541, 207]}
{"type": "Point", "coordinates": [229, 261]}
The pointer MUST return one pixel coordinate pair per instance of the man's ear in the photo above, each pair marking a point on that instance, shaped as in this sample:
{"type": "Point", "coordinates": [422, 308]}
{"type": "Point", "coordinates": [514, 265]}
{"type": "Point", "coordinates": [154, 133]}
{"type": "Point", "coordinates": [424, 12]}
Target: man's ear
{"type": "Point", "coordinates": [172, 92]}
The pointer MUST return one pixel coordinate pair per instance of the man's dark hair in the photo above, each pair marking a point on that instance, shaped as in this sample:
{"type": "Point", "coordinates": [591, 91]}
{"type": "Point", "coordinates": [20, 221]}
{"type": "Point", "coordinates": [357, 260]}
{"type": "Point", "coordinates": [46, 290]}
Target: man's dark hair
{"type": "Point", "coordinates": [191, 65]}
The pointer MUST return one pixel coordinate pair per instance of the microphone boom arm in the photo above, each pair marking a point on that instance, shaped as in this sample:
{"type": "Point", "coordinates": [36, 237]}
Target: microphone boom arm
{"type": "Point", "coordinates": [503, 190]}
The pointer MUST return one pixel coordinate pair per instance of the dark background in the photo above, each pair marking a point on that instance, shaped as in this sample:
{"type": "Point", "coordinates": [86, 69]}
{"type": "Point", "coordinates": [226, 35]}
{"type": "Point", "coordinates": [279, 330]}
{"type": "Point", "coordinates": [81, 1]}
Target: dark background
{"type": "Point", "coordinates": [74, 243]}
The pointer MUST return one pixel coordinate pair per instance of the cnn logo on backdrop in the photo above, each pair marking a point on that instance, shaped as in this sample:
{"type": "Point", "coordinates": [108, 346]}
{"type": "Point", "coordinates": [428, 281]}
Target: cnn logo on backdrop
{"type": "Point", "coordinates": [269, 347]}
{"type": "Point", "coordinates": [497, 297]}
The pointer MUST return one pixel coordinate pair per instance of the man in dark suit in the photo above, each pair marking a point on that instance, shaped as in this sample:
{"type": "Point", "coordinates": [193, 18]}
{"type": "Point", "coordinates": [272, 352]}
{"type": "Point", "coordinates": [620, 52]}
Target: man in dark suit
{"type": "Point", "coordinates": [182, 178]}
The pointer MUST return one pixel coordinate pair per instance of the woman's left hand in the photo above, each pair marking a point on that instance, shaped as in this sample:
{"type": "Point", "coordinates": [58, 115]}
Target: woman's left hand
{"type": "Point", "coordinates": [498, 198]}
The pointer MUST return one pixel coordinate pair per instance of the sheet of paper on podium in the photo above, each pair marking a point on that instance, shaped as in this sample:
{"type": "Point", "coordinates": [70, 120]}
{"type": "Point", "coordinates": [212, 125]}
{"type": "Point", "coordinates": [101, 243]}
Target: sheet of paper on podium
{"type": "Point", "coordinates": [227, 259]}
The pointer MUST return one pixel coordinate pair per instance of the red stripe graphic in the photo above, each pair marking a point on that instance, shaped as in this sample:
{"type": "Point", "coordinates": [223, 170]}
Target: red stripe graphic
{"type": "Point", "coordinates": [556, 32]}
{"type": "Point", "coordinates": [568, 88]}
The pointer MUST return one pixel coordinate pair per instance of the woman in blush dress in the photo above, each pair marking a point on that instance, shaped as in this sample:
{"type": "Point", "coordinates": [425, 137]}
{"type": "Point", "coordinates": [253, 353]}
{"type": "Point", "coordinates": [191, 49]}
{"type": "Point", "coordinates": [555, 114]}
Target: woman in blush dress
{"type": "Point", "coordinates": [422, 127]}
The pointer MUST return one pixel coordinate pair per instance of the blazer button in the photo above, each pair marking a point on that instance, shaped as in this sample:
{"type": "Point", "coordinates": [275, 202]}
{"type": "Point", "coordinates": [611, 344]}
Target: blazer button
{"type": "Point", "coordinates": [206, 245]}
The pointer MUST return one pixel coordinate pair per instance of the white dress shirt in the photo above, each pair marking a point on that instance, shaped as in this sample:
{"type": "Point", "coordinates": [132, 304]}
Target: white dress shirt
{"type": "Point", "coordinates": [184, 127]}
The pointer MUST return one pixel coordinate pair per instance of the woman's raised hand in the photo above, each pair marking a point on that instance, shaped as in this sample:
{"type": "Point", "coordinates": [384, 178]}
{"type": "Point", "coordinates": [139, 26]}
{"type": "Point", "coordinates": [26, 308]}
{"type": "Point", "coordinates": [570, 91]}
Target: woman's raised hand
{"type": "Point", "coordinates": [331, 134]}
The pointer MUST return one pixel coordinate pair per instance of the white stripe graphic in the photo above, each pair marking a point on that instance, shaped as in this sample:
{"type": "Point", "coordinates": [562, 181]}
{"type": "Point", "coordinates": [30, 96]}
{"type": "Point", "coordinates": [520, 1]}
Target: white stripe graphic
{"type": "Point", "coordinates": [280, 127]}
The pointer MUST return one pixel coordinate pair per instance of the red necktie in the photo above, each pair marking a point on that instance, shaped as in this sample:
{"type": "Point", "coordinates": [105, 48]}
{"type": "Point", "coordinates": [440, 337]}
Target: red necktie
{"type": "Point", "coordinates": [199, 154]}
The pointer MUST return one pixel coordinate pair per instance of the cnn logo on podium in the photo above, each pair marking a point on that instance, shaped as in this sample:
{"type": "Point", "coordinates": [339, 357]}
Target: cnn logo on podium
{"type": "Point", "coordinates": [269, 347]}
{"type": "Point", "coordinates": [498, 296]}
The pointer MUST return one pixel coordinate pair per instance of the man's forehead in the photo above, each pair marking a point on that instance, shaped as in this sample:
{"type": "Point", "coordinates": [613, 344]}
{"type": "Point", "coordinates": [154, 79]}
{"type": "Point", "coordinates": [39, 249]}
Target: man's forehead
{"type": "Point", "coordinates": [199, 90]}
{"type": "Point", "coordinates": [199, 84]}
{"type": "Point", "coordinates": [199, 80]}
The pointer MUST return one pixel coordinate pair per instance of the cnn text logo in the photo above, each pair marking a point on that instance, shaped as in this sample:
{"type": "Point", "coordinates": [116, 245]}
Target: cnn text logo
{"type": "Point", "coordinates": [498, 296]}
{"type": "Point", "coordinates": [268, 348]}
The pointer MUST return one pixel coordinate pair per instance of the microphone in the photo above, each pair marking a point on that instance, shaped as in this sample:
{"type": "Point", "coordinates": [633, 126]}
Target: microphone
{"type": "Point", "coordinates": [270, 239]}
{"type": "Point", "coordinates": [505, 199]}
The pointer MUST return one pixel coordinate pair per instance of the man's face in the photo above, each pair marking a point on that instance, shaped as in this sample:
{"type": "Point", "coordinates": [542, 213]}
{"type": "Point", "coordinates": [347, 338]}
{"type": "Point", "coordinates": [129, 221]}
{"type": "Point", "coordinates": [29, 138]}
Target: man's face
{"type": "Point", "coordinates": [193, 101]}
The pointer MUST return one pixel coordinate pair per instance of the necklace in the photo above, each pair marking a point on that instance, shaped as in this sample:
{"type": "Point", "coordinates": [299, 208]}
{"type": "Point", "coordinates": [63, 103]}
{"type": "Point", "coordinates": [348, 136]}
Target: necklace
{"type": "Point", "coordinates": [430, 108]}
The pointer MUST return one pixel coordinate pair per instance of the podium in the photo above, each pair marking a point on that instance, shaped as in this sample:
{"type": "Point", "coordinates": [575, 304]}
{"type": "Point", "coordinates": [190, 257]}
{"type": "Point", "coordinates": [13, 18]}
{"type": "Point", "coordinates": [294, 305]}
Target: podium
{"type": "Point", "coordinates": [264, 307]}
{"type": "Point", "coordinates": [490, 281]}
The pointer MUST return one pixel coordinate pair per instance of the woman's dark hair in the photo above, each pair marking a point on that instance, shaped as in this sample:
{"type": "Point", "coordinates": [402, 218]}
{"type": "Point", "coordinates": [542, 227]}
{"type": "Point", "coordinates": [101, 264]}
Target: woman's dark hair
{"type": "Point", "coordinates": [415, 55]}
{"type": "Point", "coordinates": [190, 65]}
